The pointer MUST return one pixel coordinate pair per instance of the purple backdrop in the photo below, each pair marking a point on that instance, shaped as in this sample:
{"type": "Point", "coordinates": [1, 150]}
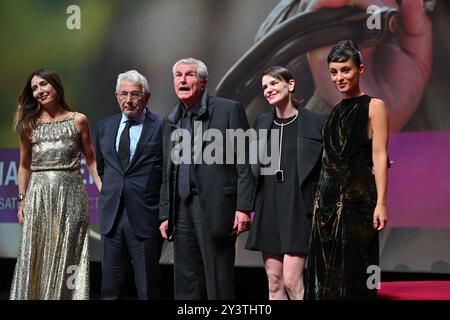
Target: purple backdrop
{"type": "Point", "coordinates": [419, 181]}
{"type": "Point", "coordinates": [9, 164]}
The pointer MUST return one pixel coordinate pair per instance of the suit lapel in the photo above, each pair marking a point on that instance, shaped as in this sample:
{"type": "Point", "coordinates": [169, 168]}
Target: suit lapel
{"type": "Point", "coordinates": [172, 121]}
{"type": "Point", "coordinates": [112, 134]}
{"type": "Point", "coordinates": [147, 131]}
{"type": "Point", "coordinates": [308, 146]}
{"type": "Point", "coordinates": [264, 122]}
{"type": "Point", "coordinates": [205, 115]}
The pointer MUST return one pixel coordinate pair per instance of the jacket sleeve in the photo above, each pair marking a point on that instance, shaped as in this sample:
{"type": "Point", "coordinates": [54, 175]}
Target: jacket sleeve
{"type": "Point", "coordinates": [246, 182]}
{"type": "Point", "coordinates": [164, 198]}
{"type": "Point", "coordinates": [98, 152]}
{"type": "Point", "coordinates": [254, 148]}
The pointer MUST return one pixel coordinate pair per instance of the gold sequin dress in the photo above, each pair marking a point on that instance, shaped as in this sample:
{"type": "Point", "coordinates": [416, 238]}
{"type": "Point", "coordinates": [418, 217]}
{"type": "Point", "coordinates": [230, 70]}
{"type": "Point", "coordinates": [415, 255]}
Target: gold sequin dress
{"type": "Point", "coordinates": [53, 258]}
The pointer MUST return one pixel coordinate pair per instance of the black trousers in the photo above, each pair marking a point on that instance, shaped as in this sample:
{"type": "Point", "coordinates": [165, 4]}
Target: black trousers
{"type": "Point", "coordinates": [119, 247]}
{"type": "Point", "coordinates": [203, 266]}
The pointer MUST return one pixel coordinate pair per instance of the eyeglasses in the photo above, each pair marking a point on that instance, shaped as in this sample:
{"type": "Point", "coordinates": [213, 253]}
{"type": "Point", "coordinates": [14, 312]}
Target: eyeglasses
{"type": "Point", "coordinates": [134, 95]}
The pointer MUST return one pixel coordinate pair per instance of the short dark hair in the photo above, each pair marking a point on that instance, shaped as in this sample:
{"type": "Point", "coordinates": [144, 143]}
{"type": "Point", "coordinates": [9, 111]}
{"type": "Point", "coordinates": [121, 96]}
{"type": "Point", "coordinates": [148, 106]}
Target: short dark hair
{"type": "Point", "coordinates": [345, 50]}
{"type": "Point", "coordinates": [283, 74]}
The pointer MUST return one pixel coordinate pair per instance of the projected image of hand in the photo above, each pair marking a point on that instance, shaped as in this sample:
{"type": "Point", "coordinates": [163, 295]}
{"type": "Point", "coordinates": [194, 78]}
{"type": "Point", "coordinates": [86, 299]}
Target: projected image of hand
{"type": "Point", "coordinates": [398, 74]}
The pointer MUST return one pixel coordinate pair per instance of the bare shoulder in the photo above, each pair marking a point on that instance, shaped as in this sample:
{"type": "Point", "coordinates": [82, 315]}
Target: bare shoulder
{"type": "Point", "coordinates": [81, 121]}
{"type": "Point", "coordinates": [375, 102]}
{"type": "Point", "coordinates": [80, 118]}
{"type": "Point", "coordinates": [377, 106]}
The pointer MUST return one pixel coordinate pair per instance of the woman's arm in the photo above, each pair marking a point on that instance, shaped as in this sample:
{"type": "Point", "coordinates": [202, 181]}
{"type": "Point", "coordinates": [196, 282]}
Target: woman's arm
{"type": "Point", "coordinates": [24, 170]}
{"type": "Point", "coordinates": [379, 126]}
{"type": "Point", "coordinates": [82, 125]}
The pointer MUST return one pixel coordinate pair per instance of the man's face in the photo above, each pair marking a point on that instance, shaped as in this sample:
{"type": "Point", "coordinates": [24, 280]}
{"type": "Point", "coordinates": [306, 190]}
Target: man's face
{"type": "Point", "coordinates": [131, 99]}
{"type": "Point", "coordinates": [188, 87]}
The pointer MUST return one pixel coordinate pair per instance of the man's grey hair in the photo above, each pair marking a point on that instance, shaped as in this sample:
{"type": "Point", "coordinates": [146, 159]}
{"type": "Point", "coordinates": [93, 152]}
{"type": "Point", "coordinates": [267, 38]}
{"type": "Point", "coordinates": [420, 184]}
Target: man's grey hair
{"type": "Point", "coordinates": [202, 70]}
{"type": "Point", "coordinates": [133, 77]}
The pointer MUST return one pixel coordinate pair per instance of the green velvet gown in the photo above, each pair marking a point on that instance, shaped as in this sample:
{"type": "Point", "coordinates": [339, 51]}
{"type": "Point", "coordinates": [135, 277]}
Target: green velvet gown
{"type": "Point", "coordinates": [343, 241]}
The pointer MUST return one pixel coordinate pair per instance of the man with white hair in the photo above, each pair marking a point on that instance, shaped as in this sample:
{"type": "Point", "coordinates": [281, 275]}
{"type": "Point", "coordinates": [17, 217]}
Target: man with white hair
{"type": "Point", "coordinates": [129, 161]}
{"type": "Point", "coordinates": [204, 206]}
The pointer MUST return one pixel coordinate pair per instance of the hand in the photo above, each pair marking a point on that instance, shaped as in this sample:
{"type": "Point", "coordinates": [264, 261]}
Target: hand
{"type": "Point", "coordinates": [20, 215]}
{"type": "Point", "coordinates": [163, 229]}
{"type": "Point", "coordinates": [241, 222]}
{"type": "Point", "coordinates": [397, 75]}
{"type": "Point", "coordinates": [380, 217]}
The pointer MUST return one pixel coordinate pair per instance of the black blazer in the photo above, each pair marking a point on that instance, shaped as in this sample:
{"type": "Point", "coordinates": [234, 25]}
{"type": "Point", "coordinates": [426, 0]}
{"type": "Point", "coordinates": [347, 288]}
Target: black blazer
{"type": "Point", "coordinates": [222, 188]}
{"type": "Point", "coordinates": [139, 184]}
{"type": "Point", "coordinates": [309, 152]}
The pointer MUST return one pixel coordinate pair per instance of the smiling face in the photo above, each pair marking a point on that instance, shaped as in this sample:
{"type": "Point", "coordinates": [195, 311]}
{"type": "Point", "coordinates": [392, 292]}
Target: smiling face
{"type": "Point", "coordinates": [188, 86]}
{"type": "Point", "coordinates": [43, 91]}
{"type": "Point", "coordinates": [131, 99]}
{"type": "Point", "coordinates": [277, 91]}
{"type": "Point", "coordinates": [345, 76]}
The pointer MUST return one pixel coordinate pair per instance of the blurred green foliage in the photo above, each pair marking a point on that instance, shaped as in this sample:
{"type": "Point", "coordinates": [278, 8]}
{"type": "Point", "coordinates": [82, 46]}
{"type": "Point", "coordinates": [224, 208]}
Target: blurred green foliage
{"type": "Point", "coordinates": [34, 35]}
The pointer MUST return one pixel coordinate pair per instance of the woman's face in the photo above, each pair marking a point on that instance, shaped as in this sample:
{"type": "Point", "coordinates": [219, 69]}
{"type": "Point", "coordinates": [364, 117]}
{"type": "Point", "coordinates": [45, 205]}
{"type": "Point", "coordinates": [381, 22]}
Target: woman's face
{"type": "Point", "coordinates": [43, 92]}
{"type": "Point", "coordinates": [277, 91]}
{"type": "Point", "coordinates": [345, 75]}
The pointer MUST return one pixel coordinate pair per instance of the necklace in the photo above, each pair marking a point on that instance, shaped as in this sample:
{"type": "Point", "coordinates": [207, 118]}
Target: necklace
{"type": "Point", "coordinates": [287, 123]}
{"type": "Point", "coordinates": [279, 174]}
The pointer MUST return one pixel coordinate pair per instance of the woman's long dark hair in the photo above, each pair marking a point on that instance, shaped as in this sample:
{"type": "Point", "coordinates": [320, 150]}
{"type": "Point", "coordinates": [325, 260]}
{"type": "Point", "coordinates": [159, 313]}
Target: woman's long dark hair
{"type": "Point", "coordinates": [283, 74]}
{"type": "Point", "coordinates": [28, 109]}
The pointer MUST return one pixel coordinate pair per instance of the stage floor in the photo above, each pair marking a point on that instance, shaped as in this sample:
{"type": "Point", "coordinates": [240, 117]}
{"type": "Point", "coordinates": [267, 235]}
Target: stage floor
{"type": "Point", "coordinates": [251, 283]}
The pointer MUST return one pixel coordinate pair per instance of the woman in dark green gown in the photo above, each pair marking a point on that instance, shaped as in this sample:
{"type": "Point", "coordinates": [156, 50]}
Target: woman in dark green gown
{"type": "Point", "coordinates": [350, 206]}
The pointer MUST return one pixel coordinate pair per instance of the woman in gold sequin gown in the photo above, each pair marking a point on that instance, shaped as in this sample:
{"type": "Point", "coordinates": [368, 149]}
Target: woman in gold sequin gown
{"type": "Point", "coordinates": [53, 258]}
{"type": "Point", "coordinates": [350, 205]}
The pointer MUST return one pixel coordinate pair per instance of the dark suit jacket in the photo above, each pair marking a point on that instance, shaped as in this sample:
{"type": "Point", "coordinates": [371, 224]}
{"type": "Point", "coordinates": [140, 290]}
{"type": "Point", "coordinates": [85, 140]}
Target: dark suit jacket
{"type": "Point", "coordinates": [140, 183]}
{"type": "Point", "coordinates": [222, 188]}
{"type": "Point", "coordinates": [309, 152]}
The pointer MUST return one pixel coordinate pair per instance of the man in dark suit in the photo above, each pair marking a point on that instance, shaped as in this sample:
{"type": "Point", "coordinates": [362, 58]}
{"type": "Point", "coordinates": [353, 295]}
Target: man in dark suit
{"type": "Point", "coordinates": [129, 161]}
{"type": "Point", "coordinates": [203, 206]}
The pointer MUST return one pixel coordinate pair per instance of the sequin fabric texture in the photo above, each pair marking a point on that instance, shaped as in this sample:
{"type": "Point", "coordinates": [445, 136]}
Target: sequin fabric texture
{"type": "Point", "coordinates": [53, 258]}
